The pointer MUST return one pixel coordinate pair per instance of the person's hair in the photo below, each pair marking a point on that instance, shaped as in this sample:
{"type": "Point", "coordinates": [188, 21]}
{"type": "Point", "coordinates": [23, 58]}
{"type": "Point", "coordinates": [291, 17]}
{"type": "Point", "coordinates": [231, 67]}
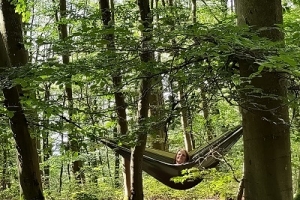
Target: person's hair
{"type": "Point", "coordinates": [187, 158]}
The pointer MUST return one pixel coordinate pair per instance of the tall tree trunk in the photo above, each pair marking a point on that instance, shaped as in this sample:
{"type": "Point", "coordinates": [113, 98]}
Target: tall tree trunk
{"type": "Point", "coordinates": [63, 149]}
{"type": "Point", "coordinates": [61, 176]}
{"type": "Point", "coordinates": [46, 146]}
{"type": "Point", "coordinates": [184, 120]}
{"type": "Point", "coordinates": [194, 11]}
{"type": "Point", "coordinates": [267, 155]}
{"type": "Point", "coordinates": [108, 20]}
{"type": "Point", "coordinates": [205, 107]}
{"type": "Point", "coordinates": [158, 134]}
{"type": "Point", "coordinates": [116, 173]}
{"type": "Point", "coordinates": [73, 137]}
{"type": "Point", "coordinates": [205, 103]}
{"type": "Point", "coordinates": [241, 187]}
{"type": "Point", "coordinates": [13, 54]}
{"type": "Point", "coordinates": [139, 149]}
{"type": "Point", "coordinates": [156, 112]}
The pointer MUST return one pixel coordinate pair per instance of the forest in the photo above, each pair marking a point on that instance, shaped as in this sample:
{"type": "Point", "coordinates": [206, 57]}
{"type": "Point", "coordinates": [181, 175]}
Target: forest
{"type": "Point", "coordinates": [102, 98]}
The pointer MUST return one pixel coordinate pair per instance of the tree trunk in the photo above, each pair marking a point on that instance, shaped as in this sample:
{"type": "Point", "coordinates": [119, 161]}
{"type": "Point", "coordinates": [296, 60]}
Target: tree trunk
{"type": "Point", "coordinates": [63, 148]}
{"type": "Point", "coordinates": [106, 7]}
{"type": "Point", "coordinates": [123, 128]}
{"type": "Point", "coordinates": [266, 131]}
{"type": "Point", "coordinates": [206, 107]}
{"type": "Point", "coordinates": [61, 176]}
{"type": "Point", "coordinates": [46, 146]}
{"type": "Point", "coordinates": [139, 149]}
{"type": "Point", "coordinates": [116, 172]}
{"type": "Point", "coordinates": [184, 120]}
{"type": "Point", "coordinates": [205, 104]}
{"type": "Point", "coordinates": [73, 137]}
{"type": "Point", "coordinates": [241, 189]}
{"type": "Point", "coordinates": [159, 134]}
{"type": "Point", "coordinates": [156, 112]}
{"type": "Point", "coordinates": [13, 54]}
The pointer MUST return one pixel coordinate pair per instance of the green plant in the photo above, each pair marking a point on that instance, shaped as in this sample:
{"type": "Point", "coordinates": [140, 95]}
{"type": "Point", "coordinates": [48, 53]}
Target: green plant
{"type": "Point", "coordinates": [297, 197]}
{"type": "Point", "coordinates": [83, 196]}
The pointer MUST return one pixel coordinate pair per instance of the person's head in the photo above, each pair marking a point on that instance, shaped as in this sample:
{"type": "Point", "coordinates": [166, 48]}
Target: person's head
{"type": "Point", "coordinates": [182, 156]}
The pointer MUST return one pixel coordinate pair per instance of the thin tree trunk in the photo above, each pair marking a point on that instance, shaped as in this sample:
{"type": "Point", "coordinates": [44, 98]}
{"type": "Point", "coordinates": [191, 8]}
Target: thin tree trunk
{"type": "Point", "coordinates": [156, 112]}
{"type": "Point", "coordinates": [63, 153]}
{"type": "Point", "coordinates": [240, 193]}
{"type": "Point", "coordinates": [205, 104]}
{"type": "Point", "coordinates": [184, 120]}
{"type": "Point", "coordinates": [13, 54]}
{"type": "Point", "coordinates": [46, 145]}
{"type": "Point", "coordinates": [117, 162]}
{"type": "Point", "coordinates": [101, 163]}
{"type": "Point", "coordinates": [267, 155]}
{"type": "Point", "coordinates": [194, 11]}
{"type": "Point", "coordinates": [139, 149]}
{"type": "Point", "coordinates": [61, 176]}
{"type": "Point", "coordinates": [116, 172]}
{"type": "Point", "coordinates": [73, 137]}
{"type": "Point", "coordinates": [108, 20]}
{"type": "Point", "coordinates": [158, 135]}
{"type": "Point", "coordinates": [206, 107]}
{"type": "Point", "coordinates": [241, 189]}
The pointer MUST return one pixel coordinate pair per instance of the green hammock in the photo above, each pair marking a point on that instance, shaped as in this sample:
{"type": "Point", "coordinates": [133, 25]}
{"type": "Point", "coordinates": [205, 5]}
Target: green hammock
{"type": "Point", "coordinates": [160, 164]}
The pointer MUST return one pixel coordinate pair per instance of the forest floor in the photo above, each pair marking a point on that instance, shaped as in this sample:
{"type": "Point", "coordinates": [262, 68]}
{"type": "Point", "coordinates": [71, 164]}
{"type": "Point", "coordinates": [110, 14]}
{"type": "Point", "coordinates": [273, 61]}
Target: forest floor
{"type": "Point", "coordinates": [186, 198]}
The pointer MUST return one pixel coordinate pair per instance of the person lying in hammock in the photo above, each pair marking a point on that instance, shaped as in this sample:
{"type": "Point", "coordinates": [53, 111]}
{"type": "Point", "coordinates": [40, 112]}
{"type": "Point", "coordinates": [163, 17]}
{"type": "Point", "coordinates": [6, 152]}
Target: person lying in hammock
{"type": "Point", "coordinates": [164, 166]}
{"type": "Point", "coordinates": [181, 157]}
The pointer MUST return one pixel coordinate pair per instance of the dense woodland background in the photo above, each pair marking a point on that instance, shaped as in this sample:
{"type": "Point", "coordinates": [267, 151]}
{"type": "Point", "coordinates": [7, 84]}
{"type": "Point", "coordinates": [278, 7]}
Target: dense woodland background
{"type": "Point", "coordinates": [162, 71]}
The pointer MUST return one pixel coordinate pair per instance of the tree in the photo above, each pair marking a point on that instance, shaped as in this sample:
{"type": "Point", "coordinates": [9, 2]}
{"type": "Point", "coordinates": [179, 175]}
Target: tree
{"type": "Point", "coordinates": [46, 144]}
{"type": "Point", "coordinates": [146, 57]}
{"type": "Point", "coordinates": [73, 136]}
{"type": "Point", "coordinates": [158, 136]}
{"type": "Point", "coordinates": [13, 54]}
{"type": "Point", "coordinates": [265, 115]}
{"type": "Point", "coordinates": [107, 7]}
{"type": "Point", "coordinates": [185, 120]}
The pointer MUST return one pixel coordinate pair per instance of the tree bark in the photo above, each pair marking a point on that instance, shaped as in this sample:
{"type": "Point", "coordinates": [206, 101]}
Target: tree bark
{"type": "Point", "coordinates": [13, 54]}
{"type": "Point", "coordinates": [267, 155]}
{"type": "Point", "coordinates": [241, 190]}
{"type": "Point", "coordinates": [206, 108]}
{"type": "Point", "coordinates": [184, 120]}
{"type": "Point", "coordinates": [106, 7]}
{"type": "Point", "coordinates": [73, 137]}
{"type": "Point", "coordinates": [158, 136]}
{"type": "Point", "coordinates": [137, 152]}
{"type": "Point", "coordinates": [46, 146]}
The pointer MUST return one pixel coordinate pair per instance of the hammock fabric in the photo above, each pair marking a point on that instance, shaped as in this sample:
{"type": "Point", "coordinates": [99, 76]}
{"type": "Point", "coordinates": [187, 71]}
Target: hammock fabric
{"type": "Point", "coordinates": [160, 164]}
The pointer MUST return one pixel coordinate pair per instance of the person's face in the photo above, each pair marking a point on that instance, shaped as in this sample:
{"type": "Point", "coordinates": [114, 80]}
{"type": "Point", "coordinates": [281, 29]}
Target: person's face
{"type": "Point", "coordinates": [181, 157]}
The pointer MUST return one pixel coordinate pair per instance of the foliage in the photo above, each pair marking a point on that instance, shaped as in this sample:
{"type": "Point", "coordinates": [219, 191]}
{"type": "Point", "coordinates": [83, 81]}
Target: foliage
{"type": "Point", "coordinates": [83, 196]}
{"type": "Point", "coordinates": [10, 193]}
{"type": "Point", "coordinates": [201, 56]}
